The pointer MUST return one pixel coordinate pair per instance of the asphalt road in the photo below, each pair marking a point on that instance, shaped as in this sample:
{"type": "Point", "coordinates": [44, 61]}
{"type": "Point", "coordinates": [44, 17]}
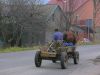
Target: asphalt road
{"type": "Point", "coordinates": [22, 63]}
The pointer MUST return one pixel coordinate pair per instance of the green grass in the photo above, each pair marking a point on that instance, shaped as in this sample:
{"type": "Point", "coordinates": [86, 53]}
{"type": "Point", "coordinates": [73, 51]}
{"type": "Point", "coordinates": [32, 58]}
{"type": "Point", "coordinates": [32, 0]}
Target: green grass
{"type": "Point", "coordinates": [17, 49]}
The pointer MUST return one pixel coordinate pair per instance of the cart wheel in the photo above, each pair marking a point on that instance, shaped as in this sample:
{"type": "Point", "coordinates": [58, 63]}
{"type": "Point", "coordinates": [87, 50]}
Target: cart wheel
{"type": "Point", "coordinates": [64, 60]}
{"type": "Point", "coordinates": [76, 57]}
{"type": "Point", "coordinates": [54, 61]}
{"type": "Point", "coordinates": [38, 59]}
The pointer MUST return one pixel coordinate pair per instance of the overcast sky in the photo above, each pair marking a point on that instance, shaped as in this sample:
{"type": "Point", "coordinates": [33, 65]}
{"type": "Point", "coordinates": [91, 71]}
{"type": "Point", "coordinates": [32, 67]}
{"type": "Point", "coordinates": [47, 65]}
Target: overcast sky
{"type": "Point", "coordinates": [45, 1]}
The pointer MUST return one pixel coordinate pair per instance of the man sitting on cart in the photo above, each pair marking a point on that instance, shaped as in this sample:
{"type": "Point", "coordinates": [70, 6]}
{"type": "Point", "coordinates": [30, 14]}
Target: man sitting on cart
{"type": "Point", "coordinates": [69, 38]}
{"type": "Point", "coordinates": [57, 38]}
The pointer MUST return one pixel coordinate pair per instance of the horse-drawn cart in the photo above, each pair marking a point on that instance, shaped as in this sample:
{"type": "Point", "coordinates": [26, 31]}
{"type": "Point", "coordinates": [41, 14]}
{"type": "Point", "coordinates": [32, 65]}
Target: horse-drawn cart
{"type": "Point", "coordinates": [56, 51]}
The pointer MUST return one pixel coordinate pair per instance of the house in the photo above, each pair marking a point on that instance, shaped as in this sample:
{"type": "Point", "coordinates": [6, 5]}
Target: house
{"type": "Point", "coordinates": [55, 18]}
{"type": "Point", "coordinates": [51, 17]}
{"type": "Point", "coordinates": [83, 10]}
{"type": "Point", "coordinates": [86, 13]}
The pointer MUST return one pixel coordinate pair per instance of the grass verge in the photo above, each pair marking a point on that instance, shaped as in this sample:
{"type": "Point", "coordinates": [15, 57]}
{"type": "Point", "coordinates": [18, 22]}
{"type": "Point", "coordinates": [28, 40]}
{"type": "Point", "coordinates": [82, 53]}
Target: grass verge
{"type": "Point", "coordinates": [17, 49]}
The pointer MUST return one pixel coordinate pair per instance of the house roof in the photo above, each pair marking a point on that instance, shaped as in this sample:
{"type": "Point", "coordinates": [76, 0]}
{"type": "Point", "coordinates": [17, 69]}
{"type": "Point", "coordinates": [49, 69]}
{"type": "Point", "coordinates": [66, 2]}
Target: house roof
{"type": "Point", "coordinates": [48, 10]}
{"type": "Point", "coordinates": [88, 29]}
{"type": "Point", "coordinates": [85, 11]}
{"type": "Point", "coordinates": [82, 29]}
{"type": "Point", "coordinates": [77, 3]}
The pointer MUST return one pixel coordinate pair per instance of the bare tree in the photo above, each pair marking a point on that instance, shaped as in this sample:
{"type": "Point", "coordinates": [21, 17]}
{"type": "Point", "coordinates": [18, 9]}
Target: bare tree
{"type": "Point", "coordinates": [95, 13]}
{"type": "Point", "coordinates": [20, 16]}
{"type": "Point", "coordinates": [2, 21]}
{"type": "Point", "coordinates": [70, 6]}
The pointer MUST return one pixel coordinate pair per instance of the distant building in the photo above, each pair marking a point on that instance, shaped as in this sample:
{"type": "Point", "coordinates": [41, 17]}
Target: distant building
{"type": "Point", "coordinates": [55, 18]}
{"type": "Point", "coordinates": [83, 9]}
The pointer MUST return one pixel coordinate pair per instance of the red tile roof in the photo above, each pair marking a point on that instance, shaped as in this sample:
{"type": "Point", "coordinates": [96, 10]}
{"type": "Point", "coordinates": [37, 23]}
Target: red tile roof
{"type": "Point", "coordinates": [77, 3]}
{"type": "Point", "coordinates": [83, 8]}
